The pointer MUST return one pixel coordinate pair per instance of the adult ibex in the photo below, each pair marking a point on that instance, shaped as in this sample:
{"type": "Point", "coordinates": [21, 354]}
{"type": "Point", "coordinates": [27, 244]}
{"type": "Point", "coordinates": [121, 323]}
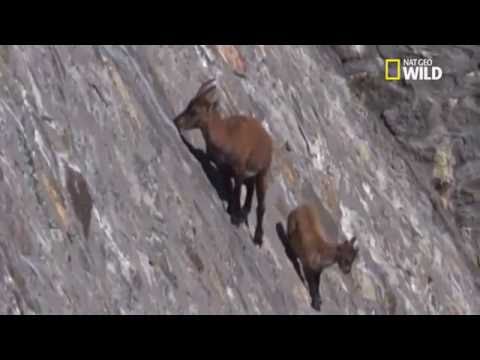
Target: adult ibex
{"type": "Point", "coordinates": [238, 145]}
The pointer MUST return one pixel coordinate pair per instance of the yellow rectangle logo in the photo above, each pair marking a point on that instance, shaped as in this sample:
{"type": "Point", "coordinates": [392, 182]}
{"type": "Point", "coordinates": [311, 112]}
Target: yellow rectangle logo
{"type": "Point", "coordinates": [387, 69]}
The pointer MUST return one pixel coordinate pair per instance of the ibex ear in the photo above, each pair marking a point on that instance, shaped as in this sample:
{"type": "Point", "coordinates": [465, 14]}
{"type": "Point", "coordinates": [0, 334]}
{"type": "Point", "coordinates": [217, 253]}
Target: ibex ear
{"type": "Point", "coordinates": [353, 240]}
{"type": "Point", "coordinates": [211, 95]}
{"type": "Point", "coordinates": [205, 86]}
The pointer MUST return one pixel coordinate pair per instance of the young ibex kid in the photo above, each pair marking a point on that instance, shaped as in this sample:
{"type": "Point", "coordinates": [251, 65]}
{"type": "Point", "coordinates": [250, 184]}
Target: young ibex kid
{"type": "Point", "coordinates": [312, 239]}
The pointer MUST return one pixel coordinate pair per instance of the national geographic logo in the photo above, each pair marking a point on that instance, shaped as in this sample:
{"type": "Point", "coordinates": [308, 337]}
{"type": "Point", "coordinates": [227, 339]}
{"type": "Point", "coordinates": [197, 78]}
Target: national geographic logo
{"type": "Point", "coordinates": [412, 69]}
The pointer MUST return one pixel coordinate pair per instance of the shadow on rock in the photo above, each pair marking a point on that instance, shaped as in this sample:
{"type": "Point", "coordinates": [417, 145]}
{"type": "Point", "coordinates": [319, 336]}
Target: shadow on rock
{"type": "Point", "coordinates": [218, 178]}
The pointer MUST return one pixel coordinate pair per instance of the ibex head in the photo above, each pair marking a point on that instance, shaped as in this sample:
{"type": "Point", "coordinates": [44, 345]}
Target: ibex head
{"type": "Point", "coordinates": [200, 108]}
{"type": "Point", "coordinates": [346, 254]}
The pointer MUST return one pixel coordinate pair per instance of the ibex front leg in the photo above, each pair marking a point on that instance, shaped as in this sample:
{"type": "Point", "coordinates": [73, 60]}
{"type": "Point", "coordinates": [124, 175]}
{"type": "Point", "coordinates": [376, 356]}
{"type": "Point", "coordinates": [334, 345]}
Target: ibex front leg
{"type": "Point", "coordinates": [236, 212]}
{"type": "Point", "coordinates": [247, 207]}
{"type": "Point", "coordinates": [227, 187]}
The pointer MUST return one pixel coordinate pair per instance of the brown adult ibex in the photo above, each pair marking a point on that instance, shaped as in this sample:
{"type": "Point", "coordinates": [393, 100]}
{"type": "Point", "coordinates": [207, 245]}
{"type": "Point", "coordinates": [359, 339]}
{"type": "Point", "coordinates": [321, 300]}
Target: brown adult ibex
{"type": "Point", "coordinates": [312, 239]}
{"type": "Point", "coordinates": [238, 145]}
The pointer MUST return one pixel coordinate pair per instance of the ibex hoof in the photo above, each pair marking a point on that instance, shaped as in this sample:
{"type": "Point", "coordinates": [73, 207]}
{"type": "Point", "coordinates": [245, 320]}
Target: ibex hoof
{"type": "Point", "coordinates": [258, 240]}
{"type": "Point", "coordinates": [237, 219]}
{"type": "Point", "coordinates": [316, 304]}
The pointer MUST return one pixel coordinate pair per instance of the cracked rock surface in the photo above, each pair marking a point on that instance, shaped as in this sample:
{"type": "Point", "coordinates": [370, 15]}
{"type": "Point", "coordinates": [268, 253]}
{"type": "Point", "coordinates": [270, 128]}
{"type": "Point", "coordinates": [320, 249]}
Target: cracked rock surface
{"type": "Point", "coordinates": [103, 209]}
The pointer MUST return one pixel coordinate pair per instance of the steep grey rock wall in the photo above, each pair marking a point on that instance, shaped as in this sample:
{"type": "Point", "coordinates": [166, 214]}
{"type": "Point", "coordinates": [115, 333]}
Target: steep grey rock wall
{"type": "Point", "coordinates": [103, 209]}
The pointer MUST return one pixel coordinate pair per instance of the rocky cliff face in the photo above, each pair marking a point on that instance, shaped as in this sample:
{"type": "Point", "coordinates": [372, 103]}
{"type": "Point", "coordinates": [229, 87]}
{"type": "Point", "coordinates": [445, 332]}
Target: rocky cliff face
{"type": "Point", "coordinates": [103, 209]}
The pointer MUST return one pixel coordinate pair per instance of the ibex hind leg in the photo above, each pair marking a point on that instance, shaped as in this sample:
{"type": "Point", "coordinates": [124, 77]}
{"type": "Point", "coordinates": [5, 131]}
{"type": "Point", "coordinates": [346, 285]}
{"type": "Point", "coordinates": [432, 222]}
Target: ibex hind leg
{"type": "Point", "coordinates": [313, 281]}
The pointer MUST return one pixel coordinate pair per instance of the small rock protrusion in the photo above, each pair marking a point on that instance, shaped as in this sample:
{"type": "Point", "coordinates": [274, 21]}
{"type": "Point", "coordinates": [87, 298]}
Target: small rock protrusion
{"type": "Point", "coordinates": [82, 201]}
{"type": "Point", "coordinates": [443, 171]}
{"type": "Point", "coordinates": [232, 56]}
{"type": "Point", "coordinates": [195, 259]}
{"type": "Point", "coordinates": [288, 147]}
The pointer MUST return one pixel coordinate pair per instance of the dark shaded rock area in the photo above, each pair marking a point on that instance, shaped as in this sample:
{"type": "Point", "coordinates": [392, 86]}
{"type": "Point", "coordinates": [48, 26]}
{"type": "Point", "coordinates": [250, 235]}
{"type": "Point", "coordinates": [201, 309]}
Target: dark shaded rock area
{"type": "Point", "coordinates": [103, 208]}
